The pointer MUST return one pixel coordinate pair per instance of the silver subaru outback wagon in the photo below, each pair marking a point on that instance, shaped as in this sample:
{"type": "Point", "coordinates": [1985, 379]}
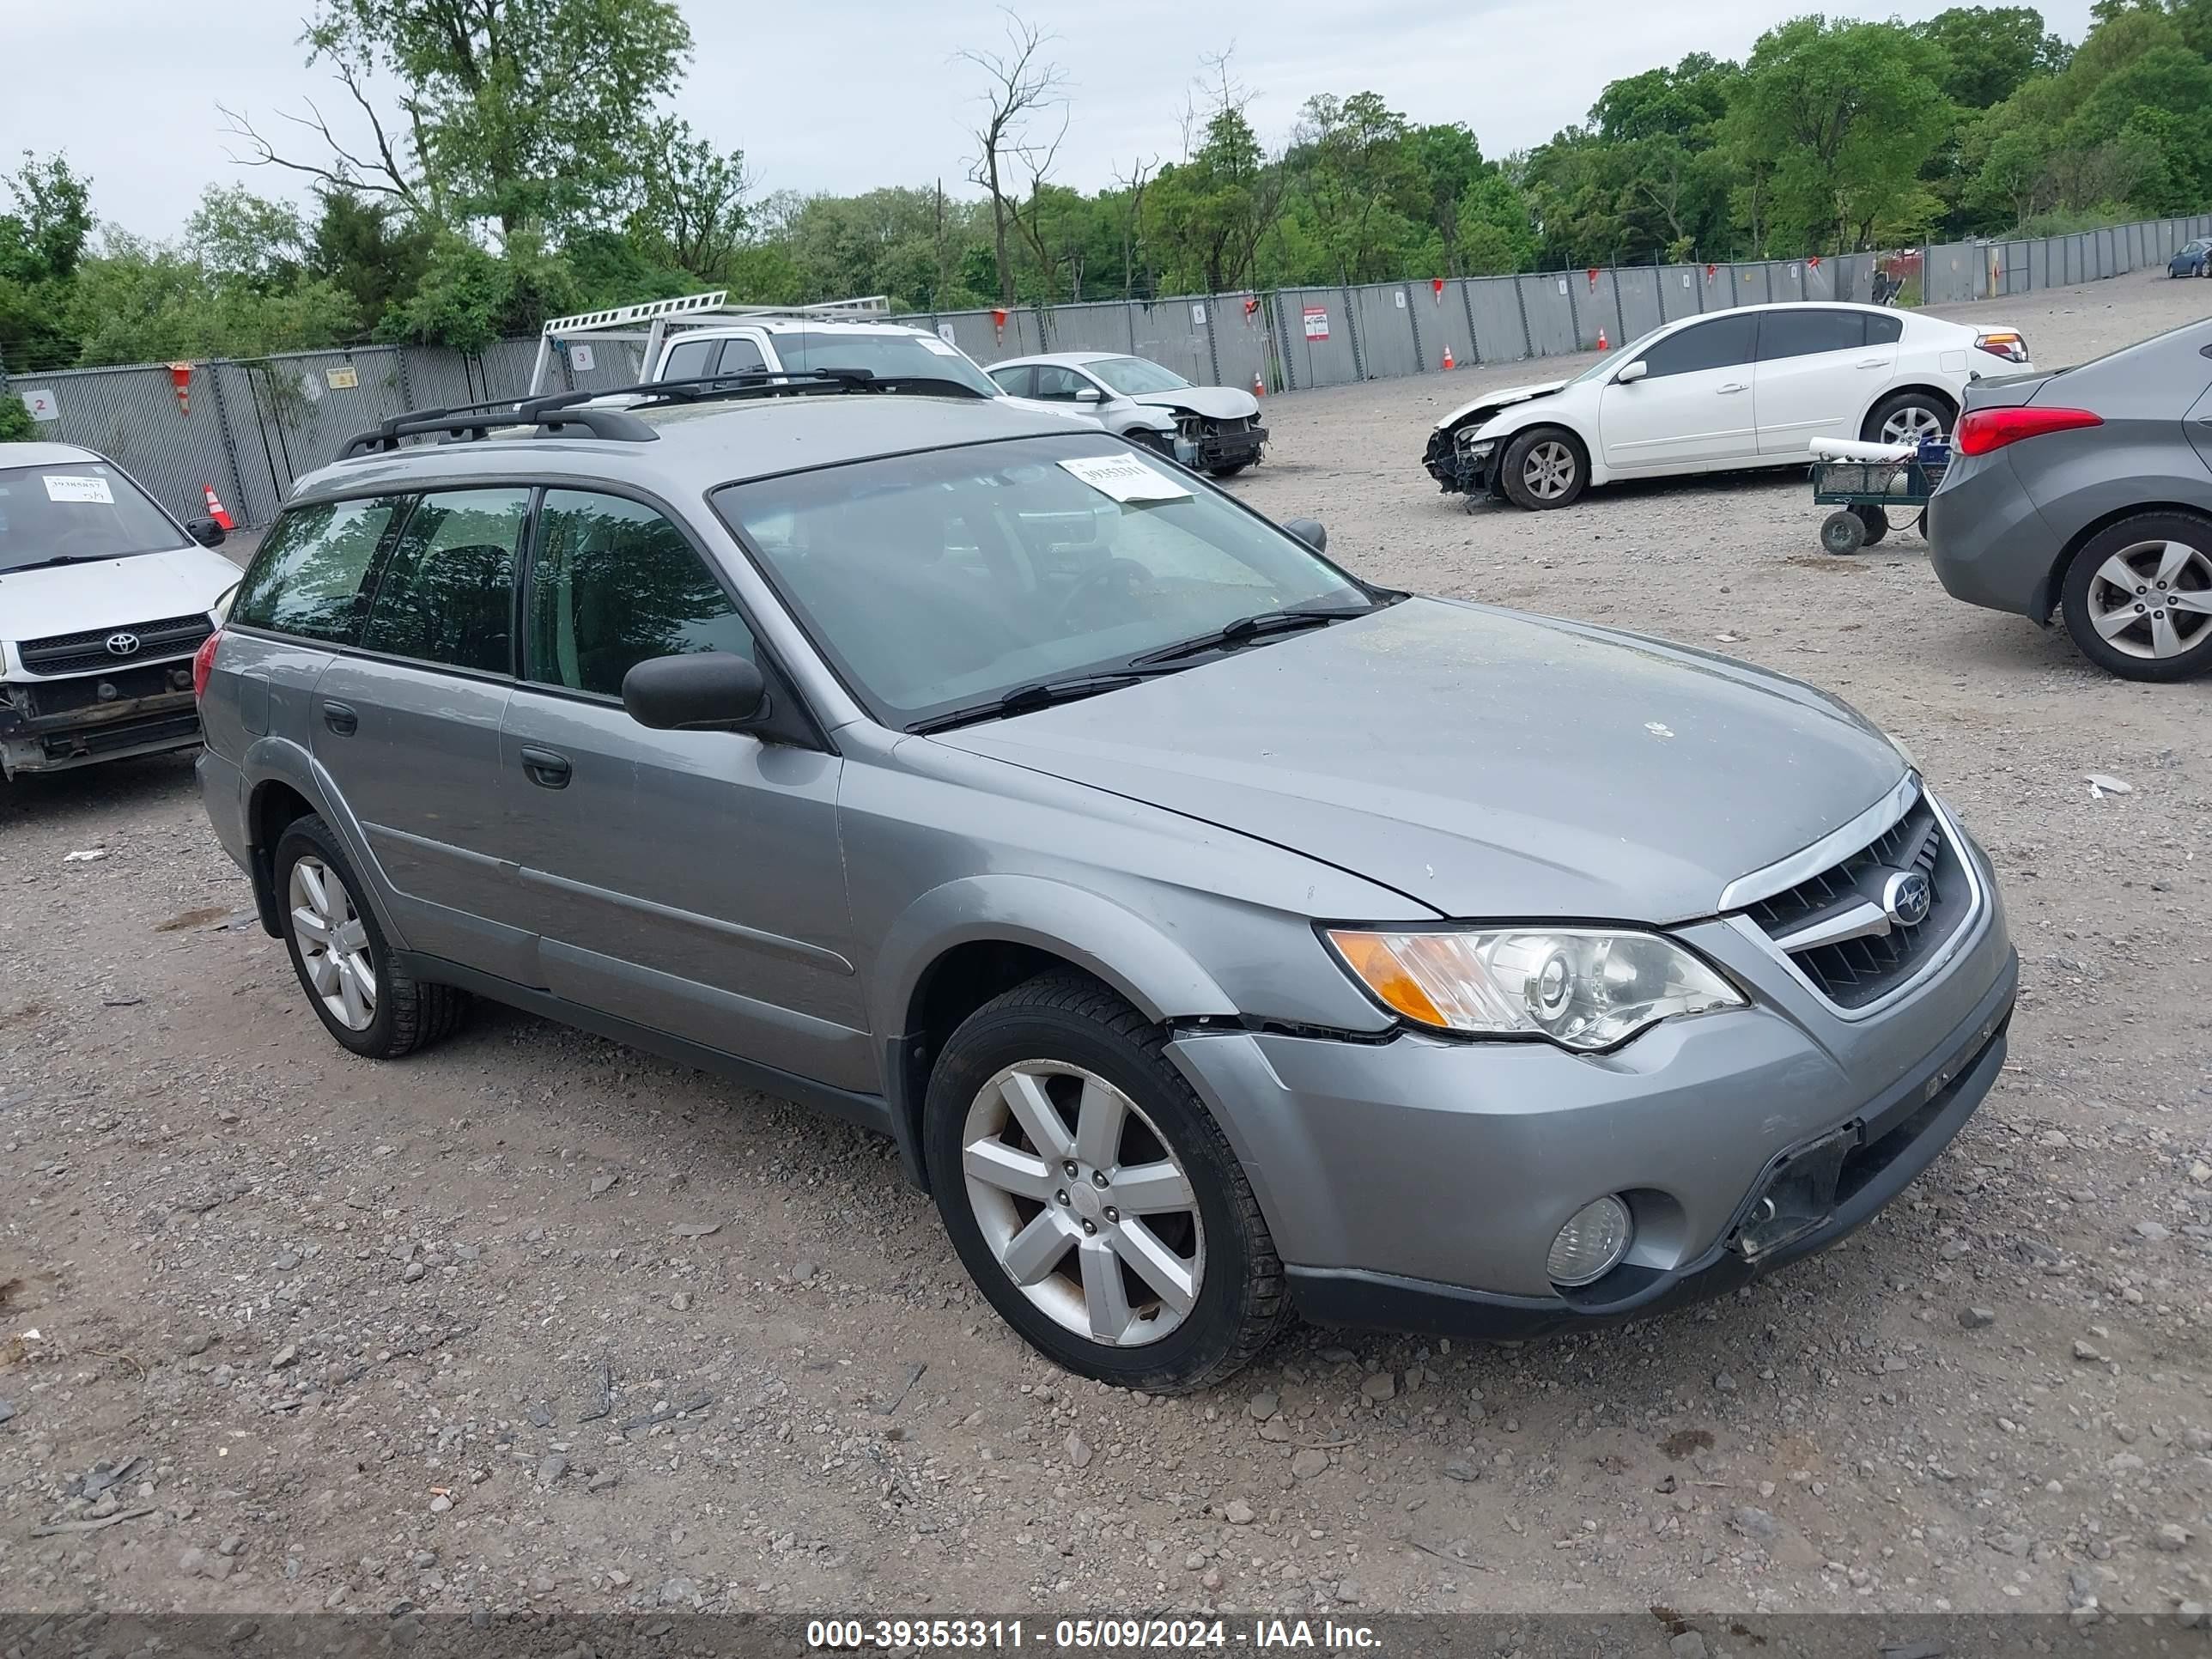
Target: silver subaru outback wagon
{"type": "Point", "coordinates": [1216, 933]}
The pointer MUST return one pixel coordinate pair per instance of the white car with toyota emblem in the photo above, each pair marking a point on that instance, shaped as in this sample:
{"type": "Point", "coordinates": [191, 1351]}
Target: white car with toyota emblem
{"type": "Point", "coordinates": [104, 599]}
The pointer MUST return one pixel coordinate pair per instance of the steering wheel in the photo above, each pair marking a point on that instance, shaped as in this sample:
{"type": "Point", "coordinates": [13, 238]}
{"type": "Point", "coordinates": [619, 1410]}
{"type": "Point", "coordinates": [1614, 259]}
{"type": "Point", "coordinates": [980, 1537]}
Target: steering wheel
{"type": "Point", "coordinates": [1127, 571]}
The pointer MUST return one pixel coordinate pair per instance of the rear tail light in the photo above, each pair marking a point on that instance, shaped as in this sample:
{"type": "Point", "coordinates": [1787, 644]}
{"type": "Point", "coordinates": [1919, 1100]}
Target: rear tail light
{"type": "Point", "coordinates": [1981, 430]}
{"type": "Point", "coordinates": [2004, 344]}
{"type": "Point", "coordinates": [204, 664]}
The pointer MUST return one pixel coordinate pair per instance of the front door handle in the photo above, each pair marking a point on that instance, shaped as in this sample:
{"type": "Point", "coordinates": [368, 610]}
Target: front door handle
{"type": "Point", "coordinates": [546, 769]}
{"type": "Point", "coordinates": [1733, 386]}
{"type": "Point", "coordinates": [340, 718]}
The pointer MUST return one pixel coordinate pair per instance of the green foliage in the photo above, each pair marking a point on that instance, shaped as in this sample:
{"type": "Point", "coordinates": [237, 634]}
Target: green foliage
{"type": "Point", "coordinates": [17, 426]}
{"type": "Point", "coordinates": [535, 168]}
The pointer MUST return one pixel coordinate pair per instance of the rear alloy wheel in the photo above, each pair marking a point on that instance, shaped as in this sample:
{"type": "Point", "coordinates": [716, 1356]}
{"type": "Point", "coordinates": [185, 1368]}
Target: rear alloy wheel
{"type": "Point", "coordinates": [1544, 469]}
{"type": "Point", "coordinates": [1091, 1197]}
{"type": "Point", "coordinates": [345, 964]}
{"type": "Point", "coordinates": [2138, 596]}
{"type": "Point", "coordinates": [1910, 417]}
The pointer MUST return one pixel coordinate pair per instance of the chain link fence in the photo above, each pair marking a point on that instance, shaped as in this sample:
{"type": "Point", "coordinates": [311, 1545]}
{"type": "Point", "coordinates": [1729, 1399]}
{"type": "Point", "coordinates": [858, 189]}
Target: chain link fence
{"type": "Point", "coordinates": [247, 430]}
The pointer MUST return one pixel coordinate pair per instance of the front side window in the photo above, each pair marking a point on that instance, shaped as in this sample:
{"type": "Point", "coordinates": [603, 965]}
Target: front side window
{"type": "Point", "coordinates": [1133, 377]}
{"type": "Point", "coordinates": [76, 511]}
{"type": "Point", "coordinates": [613, 583]}
{"type": "Point", "coordinates": [447, 593]}
{"type": "Point", "coordinates": [934, 581]}
{"type": "Point", "coordinates": [741, 356]}
{"type": "Point", "coordinates": [1724, 343]}
{"type": "Point", "coordinates": [308, 578]}
{"type": "Point", "coordinates": [1807, 333]}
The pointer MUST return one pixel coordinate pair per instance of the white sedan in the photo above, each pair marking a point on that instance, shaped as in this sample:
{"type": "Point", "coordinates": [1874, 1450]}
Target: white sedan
{"type": "Point", "coordinates": [1750, 388]}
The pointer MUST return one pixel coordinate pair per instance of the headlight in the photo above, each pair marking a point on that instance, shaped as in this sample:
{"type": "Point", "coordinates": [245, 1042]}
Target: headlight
{"type": "Point", "coordinates": [219, 610]}
{"type": "Point", "coordinates": [1480, 450]}
{"type": "Point", "coordinates": [1903, 751]}
{"type": "Point", "coordinates": [1584, 989]}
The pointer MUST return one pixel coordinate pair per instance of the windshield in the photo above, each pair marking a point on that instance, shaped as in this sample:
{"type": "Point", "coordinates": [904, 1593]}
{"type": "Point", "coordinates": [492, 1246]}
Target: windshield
{"type": "Point", "coordinates": [887, 354]}
{"type": "Point", "coordinates": [1133, 377]}
{"type": "Point", "coordinates": [75, 510]}
{"type": "Point", "coordinates": [938, 580]}
{"type": "Point", "coordinates": [1611, 360]}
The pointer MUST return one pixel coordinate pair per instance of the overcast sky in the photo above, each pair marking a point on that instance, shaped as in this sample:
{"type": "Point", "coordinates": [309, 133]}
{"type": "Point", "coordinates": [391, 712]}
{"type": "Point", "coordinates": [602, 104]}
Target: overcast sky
{"type": "Point", "coordinates": [844, 97]}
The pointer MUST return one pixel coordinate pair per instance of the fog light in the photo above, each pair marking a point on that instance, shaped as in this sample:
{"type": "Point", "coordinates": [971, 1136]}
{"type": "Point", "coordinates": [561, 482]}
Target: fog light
{"type": "Point", "coordinates": [1591, 1244]}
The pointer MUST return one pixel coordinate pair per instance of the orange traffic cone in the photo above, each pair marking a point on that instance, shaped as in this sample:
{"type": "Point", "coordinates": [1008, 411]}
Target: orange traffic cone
{"type": "Point", "coordinates": [1448, 359]}
{"type": "Point", "coordinates": [1602, 345]}
{"type": "Point", "coordinates": [1259, 385]}
{"type": "Point", "coordinates": [216, 510]}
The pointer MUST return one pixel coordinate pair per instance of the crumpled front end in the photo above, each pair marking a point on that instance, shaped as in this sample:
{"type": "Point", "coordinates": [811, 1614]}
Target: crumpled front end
{"type": "Point", "coordinates": [1217, 445]}
{"type": "Point", "coordinates": [49, 725]}
{"type": "Point", "coordinates": [1460, 463]}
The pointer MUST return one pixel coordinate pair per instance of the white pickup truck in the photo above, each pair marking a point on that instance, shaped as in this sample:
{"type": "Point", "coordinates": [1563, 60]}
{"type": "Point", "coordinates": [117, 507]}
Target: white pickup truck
{"type": "Point", "coordinates": [701, 334]}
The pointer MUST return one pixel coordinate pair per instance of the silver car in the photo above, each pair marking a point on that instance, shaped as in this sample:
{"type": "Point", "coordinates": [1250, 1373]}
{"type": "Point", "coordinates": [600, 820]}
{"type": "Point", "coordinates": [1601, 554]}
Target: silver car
{"type": "Point", "coordinates": [1214, 933]}
{"type": "Point", "coordinates": [1213, 427]}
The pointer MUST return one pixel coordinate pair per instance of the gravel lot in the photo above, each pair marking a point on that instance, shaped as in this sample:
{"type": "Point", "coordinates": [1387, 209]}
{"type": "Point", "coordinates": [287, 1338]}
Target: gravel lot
{"type": "Point", "coordinates": [533, 1320]}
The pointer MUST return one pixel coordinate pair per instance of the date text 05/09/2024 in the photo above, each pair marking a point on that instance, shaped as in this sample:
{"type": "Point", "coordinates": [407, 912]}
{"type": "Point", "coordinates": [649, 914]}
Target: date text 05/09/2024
{"type": "Point", "coordinates": [1086, 1635]}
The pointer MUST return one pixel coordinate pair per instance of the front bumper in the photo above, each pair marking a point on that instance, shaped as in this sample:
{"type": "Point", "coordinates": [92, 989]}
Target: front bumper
{"type": "Point", "coordinates": [1456, 470]}
{"type": "Point", "coordinates": [52, 725]}
{"type": "Point", "coordinates": [1202, 445]}
{"type": "Point", "coordinates": [1419, 1182]}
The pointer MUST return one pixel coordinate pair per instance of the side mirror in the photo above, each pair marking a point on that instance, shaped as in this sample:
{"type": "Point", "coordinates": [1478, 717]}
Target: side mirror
{"type": "Point", "coordinates": [206, 532]}
{"type": "Point", "coordinates": [702, 690]}
{"type": "Point", "coordinates": [1635, 372]}
{"type": "Point", "coordinates": [1090, 394]}
{"type": "Point", "coordinates": [1312, 532]}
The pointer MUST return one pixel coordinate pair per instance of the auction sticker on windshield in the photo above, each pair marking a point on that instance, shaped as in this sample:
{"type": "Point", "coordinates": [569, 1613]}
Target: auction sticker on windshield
{"type": "Point", "coordinates": [77, 486]}
{"type": "Point", "coordinates": [942, 348]}
{"type": "Point", "coordinates": [1126, 478]}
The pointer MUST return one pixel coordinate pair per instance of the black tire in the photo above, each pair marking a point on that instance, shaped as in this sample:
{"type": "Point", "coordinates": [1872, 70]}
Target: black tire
{"type": "Point", "coordinates": [1145, 438]}
{"type": "Point", "coordinates": [409, 1013]}
{"type": "Point", "coordinates": [2075, 602]}
{"type": "Point", "coordinates": [1898, 403]}
{"type": "Point", "coordinates": [1843, 531]}
{"type": "Point", "coordinates": [1877, 522]}
{"type": "Point", "coordinates": [1519, 491]}
{"type": "Point", "coordinates": [1242, 1301]}
{"type": "Point", "coordinates": [1229, 471]}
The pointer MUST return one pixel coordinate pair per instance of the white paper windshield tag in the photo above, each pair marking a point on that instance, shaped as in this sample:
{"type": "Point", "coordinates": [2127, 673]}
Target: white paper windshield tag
{"type": "Point", "coordinates": [942, 348]}
{"type": "Point", "coordinates": [77, 486]}
{"type": "Point", "coordinates": [1126, 478]}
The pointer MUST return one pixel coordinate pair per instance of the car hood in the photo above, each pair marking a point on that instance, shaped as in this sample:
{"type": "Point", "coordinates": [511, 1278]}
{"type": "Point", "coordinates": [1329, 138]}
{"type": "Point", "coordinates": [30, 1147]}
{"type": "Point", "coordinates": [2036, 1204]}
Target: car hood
{"type": "Point", "coordinates": [1483, 762]}
{"type": "Point", "coordinates": [1491, 402]}
{"type": "Point", "coordinates": [79, 599]}
{"type": "Point", "coordinates": [1213, 402]}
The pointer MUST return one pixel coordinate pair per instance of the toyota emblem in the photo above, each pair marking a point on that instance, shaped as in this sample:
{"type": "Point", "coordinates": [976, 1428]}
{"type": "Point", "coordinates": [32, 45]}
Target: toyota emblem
{"type": "Point", "coordinates": [122, 645]}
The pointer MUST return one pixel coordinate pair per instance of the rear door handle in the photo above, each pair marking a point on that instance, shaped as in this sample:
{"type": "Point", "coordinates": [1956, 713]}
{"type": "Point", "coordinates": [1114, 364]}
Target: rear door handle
{"type": "Point", "coordinates": [340, 718]}
{"type": "Point", "coordinates": [1733, 386]}
{"type": "Point", "coordinates": [1875, 363]}
{"type": "Point", "coordinates": [546, 769]}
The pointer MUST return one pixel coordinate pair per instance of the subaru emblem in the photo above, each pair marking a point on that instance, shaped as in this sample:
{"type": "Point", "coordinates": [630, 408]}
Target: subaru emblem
{"type": "Point", "coordinates": [1907, 896]}
{"type": "Point", "coordinates": [122, 645]}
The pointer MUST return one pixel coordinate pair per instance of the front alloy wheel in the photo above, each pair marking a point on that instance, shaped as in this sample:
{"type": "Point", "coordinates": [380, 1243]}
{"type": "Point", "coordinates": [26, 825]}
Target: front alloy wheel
{"type": "Point", "coordinates": [1543, 469]}
{"type": "Point", "coordinates": [1091, 1196]}
{"type": "Point", "coordinates": [1098, 1223]}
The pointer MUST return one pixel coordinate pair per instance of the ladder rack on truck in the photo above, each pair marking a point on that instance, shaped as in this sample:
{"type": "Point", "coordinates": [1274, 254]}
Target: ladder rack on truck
{"type": "Point", "coordinates": [652, 321]}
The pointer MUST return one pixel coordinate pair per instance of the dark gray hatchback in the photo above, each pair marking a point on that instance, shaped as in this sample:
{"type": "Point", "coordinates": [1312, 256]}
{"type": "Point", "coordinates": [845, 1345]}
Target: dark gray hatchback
{"type": "Point", "coordinates": [2088, 491]}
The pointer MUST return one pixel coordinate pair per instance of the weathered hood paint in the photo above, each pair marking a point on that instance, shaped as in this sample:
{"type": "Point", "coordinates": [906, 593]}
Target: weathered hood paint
{"type": "Point", "coordinates": [1491, 402]}
{"type": "Point", "coordinates": [1214, 402]}
{"type": "Point", "coordinates": [1487, 763]}
{"type": "Point", "coordinates": [83, 598]}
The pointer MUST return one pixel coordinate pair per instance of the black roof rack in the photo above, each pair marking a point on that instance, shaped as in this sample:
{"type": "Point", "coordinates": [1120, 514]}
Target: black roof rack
{"type": "Point", "coordinates": [474, 421]}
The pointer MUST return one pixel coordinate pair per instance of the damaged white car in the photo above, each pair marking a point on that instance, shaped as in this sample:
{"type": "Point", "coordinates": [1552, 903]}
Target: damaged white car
{"type": "Point", "coordinates": [1213, 427]}
{"type": "Point", "coordinates": [1744, 388]}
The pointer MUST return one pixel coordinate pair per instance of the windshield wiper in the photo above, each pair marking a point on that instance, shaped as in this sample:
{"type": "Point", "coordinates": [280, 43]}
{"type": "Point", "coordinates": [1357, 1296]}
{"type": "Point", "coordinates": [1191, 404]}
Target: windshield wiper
{"type": "Point", "coordinates": [64, 558]}
{"type": "Point", "coordinates": [1028, 699]}
{"type": "Point", "coordinates": [1251, 628]}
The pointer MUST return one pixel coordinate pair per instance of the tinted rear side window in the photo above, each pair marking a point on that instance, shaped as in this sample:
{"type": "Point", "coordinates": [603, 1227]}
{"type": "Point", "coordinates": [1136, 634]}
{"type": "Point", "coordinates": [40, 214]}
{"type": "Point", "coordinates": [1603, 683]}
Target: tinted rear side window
{"type": "Point", "coordinates": [448, 591]}
{"type": "Point", "coordinates": [1885, 330]}
{"type": "Point", "coordinates": [1724, 343]}
{"type": "Point", "coordinates": [308, 577]}
{"type": "Point", "coordinates": [687, 359]}
{"type": "Point", "coordinates": [1806, 333]}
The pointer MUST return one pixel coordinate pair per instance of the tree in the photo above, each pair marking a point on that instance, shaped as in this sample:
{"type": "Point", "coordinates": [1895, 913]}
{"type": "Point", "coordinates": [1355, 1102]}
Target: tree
{"type": "Point", "coordinates": [1988, 51]}
{"type": "Point", "coordinates": [1356, 163]}
{"type": "Point", "coordinates": [1830, 130]}
{"type": "Point", "coordinates": [42, 241]}
{"type": "Point", "coordinates": [694, 211]}
{"type": "Point", "coordinates": [1019, 86]}
{"type": "Point", "coordinates": [516, 112]}
{"type": "Point", "coordinates": [1451, 164]}
{"type": "Point", "coordinates": [369, 248]}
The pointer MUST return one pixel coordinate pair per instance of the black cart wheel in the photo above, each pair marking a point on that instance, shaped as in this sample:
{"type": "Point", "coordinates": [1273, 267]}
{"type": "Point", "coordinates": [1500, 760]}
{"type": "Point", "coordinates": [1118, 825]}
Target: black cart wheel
{"type": "Point", "coordinates": [1844, 532]}
{"type": "Point", "coordinates": [1877, 522]}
